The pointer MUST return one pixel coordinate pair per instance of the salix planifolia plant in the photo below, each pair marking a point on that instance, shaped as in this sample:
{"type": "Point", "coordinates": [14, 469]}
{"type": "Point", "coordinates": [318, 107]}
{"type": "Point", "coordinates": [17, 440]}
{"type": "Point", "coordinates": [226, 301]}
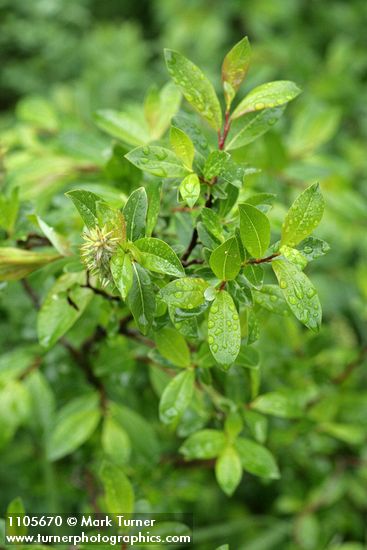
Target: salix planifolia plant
{"type": "Point", "coordinates": [198, 292]}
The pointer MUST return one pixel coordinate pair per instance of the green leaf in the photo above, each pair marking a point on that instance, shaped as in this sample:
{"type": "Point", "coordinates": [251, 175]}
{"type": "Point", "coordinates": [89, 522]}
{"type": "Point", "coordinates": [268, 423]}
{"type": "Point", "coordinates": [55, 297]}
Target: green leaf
{"type": "Point", "coordinates": [122, 272]}
{"type": "Point", "coordinates": [224, 332]}
{"type": "Point", "coordinates": [141, 298]}
{"type": "Point", "coordinates": [349, 433]}
{"type": "Point", "coordinates": [256, 459]}
{"type": "Point", "coordinates": [203, 444]}
{"type": "Point", "coordinates": [254, 230]}
{"type": "Point", "coordinates": [42, 401]}
{"type": "Point", "coordinates": [315, 124]}
{"type": "Point", "coordinates": [212, 222]}
{"type": "Point", "coordinates": [257, 424]}
{"type": "Point", "coordinates": [186, 293]}
{"type": "Point", "coordinates": [39, 112]}
{"type": "Point", "coordinates": [188, 125]}
{"type": "Point", "coordinates": [248, 357]}
{"type": "Point", "coordinates": [123, 126]}
{"type": "Point", "coordinates": [195, 87]}
{"type": "Point", "coordinates": [228, 470]}
{"type": "Point", "coordinates": [141, 433]}
{"type": "Point", "coordinates": [135, 212]}
{"type": "Point", "coordinates": [153, 191]}
{"type": "Point", "coordinates": [278, 404]}
{"type": "Point", "coordinates": [9, 207]}
{"type": "Point", "coordinates": [172, 346]}
{"type": "Point", "coordinates": [158, 161]}
{"type": "Point", "coordinates": [64, 304]}
{"type": "Point", "coordinates": [269, 95]}
{"type": "Point", "coordinates": [118, 491]}
{"type": "Point", "coordinates": [115, 441]}
{"type": "Point", "coordinates": [16, 263]}
{"type": "Point", "coordinates": [158, 256]}
{"type": "Point", "coordinates": [182, 146]}
{"type": "Point", "coordinates": [58, 241]}
{"type": "Point", "coordinates": [271, 298]}
{"type": "Point", "coordinates": [233, 425]}
{"type": "Point", "coordinates": [225, 260]}
{"type": "Point", "coordinates": [303, 216]}
{"type": "Point", "coordinates": [16, 508]}
{"type": "Point", "coordinates": [190, 189]}
{"type": "Point", "coordinates": [176, 397]}
{"type": "Point", "coordinates": [85, 202]}
{"type": "Point", "coordinates": [307, 528]}
{"type": "Point", "coordinates": [235, 66]}
{"type": "Point", "coordinates": [313, 248]}
{"type": "Point", "coordinates": [160, 107]}
{"type": "Point", "coordinates": [299, 293]}
{"type": "Point", "coordinates": [293, 256]}
{"type": "Point", "coordinates": [253, 126]}
{"type": "Point", "coordinates": [254, 275]}
{"type": "Point", "coordinates": [74, 425]}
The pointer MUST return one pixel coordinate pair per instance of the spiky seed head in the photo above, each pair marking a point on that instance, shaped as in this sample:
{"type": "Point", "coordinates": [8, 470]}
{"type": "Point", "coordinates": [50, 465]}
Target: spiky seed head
{"type": "Point", "coordinates": [100, 243]}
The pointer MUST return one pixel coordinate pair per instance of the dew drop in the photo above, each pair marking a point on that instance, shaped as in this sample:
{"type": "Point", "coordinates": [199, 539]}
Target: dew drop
{"type": "Point", "coordinates": [311, 292]}
{"type": "Point", "coordinates": [283, 283]}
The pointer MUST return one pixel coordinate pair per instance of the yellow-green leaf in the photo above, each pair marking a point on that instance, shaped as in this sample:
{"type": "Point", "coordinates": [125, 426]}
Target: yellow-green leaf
{"type": "Point", "coordinates": [16, 263]}
{"type": "Point", "coordinates": [182, 146]}
{"type": "Point", "coordinates": [195, 86]}
{"type": "Point", "coordinates": [228, 470]}
{"type": "Point", "coordinates": [269, 95]}
{"type": "Point", "coordinates": [303, 216]}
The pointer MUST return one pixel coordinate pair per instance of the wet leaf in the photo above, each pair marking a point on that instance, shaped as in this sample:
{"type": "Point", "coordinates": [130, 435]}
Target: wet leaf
{"type": "Point", "coordinates": [141, 298]}
{"type": "Point", "coordinates": [158, 256]}
{"type": "Point", "coordinates": [204, 444]}
{"type": "Point", "coordinates": [225, 260]}
{"type": "Point", "coordinates": [235, 67]}
{"type": "Point", "coordinates": [135, 212]}
{"type": "Point", "coordinates": [224, 333]}
{"type": "Point", "coordinates": [186, 293]}
{"type": "Point", "coordinates": [190, 189]}
{"type": "Point", "coordinates": [254, 230]}
{"type": "Point", "coordinates": [269, 95]}
{"type": "Point", "coordinates": [158, 161]}
{"type": "Point", "coordinates": [252, 126]}
{"type": "Point", "coordinates": [195, 87]}
{"type": "Point", "coordinates": [299, 293]}
{"type": "Point", "coordinates": [176, 397]}
{"type": "Point", "coordinates": [122, 272]}
{"type": "Point", "coordinates": [303, 216]}
{"type": "Point", "coordinates": [182, 146]}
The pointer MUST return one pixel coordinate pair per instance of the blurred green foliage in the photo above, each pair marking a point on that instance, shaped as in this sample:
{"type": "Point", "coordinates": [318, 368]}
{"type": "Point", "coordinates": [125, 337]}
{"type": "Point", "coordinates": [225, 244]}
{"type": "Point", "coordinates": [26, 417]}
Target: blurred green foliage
{"type": "Point", "coordinates": [62, 60]}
